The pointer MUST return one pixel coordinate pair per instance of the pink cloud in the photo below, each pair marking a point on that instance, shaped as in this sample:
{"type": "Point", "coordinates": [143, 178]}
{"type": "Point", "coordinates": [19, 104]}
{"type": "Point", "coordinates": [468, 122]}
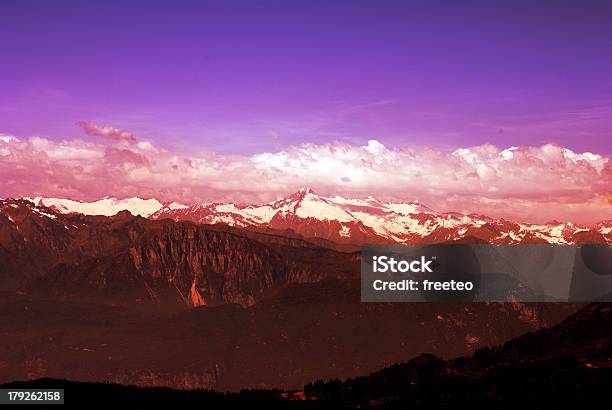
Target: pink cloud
{"type": "Point", "coordinates": [105, 131]}
{"type": "Point", "coordinates": [532, 184]}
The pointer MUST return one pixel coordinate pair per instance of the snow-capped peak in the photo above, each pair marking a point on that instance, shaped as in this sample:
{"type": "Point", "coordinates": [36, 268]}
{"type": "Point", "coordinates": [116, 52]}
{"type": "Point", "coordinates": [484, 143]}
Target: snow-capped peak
{"type": "Point", "coordinates": [108, 206]}
{"type": "Point", "coordinates": [300, 194]}
{"type": "Point", "coordinates": [306, 190]}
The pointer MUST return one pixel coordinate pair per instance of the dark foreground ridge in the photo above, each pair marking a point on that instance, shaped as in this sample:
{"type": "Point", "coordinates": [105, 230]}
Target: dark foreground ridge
{"type": "Point", "coordinates": [569, 364]}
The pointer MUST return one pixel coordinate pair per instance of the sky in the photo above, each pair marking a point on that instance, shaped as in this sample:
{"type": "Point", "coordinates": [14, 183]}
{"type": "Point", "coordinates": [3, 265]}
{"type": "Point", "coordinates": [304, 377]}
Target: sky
{"type": "Point", "coordinates": [224, 83]}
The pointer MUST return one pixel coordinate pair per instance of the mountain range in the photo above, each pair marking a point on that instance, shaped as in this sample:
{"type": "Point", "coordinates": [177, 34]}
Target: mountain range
{"type": "Point", "coordinates": [347, 221]}
{"type": "Point", "coordinates": [175, 303]}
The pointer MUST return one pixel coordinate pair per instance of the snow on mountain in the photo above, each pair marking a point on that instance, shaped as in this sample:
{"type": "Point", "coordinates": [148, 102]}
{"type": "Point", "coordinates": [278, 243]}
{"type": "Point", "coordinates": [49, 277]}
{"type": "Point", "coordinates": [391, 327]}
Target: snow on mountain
{"type": "Point", "coordinates": [395, 221]}
{"type": "Point", "coordinates": [369, 220]}
{"type": "Point", "coordinates": [345, 220]}
{"type": "Point", "coordinates": [106, 206]}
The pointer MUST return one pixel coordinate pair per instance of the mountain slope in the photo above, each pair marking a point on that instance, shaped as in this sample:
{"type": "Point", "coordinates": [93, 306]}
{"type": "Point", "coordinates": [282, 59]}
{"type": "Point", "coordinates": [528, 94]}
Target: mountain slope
{"type": "Point", "coordinates": [569, 363]}
{"type": "Point", "coordinates": [130, 260]}
{"type": "Point", "coordinates": [302, 332]}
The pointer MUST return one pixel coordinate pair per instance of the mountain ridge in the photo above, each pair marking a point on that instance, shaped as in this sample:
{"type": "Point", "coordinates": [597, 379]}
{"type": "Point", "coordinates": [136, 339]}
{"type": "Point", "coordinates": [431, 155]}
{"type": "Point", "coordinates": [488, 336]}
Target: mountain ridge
{"type": "Point", "coordinates": [347, 221]}
{"type": "Point", "coordinates": [131, 260]}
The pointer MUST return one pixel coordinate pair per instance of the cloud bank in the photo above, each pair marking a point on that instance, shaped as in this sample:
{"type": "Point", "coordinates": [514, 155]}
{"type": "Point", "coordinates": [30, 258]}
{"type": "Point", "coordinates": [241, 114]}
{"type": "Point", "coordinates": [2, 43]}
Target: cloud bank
{"type": "Point", "coordinates": [532, 184]}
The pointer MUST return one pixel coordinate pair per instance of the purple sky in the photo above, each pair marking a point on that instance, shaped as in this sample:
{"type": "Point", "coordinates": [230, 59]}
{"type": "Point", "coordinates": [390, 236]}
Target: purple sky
{"type": "Point", "coordinates": [235, 77]}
